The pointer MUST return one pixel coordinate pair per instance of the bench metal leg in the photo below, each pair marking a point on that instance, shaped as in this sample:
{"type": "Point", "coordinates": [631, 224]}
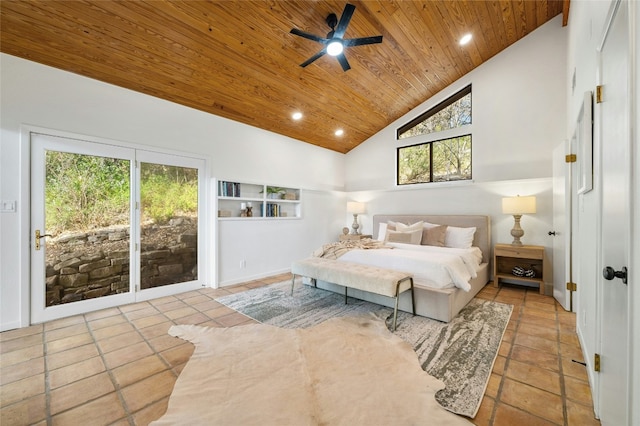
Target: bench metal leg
{"type": "Point", "coordinates": [345, 295]}
{"type": "Point", "coordinates": [395, 313]}
{"type": "Point", "coordinates": [413, 301]}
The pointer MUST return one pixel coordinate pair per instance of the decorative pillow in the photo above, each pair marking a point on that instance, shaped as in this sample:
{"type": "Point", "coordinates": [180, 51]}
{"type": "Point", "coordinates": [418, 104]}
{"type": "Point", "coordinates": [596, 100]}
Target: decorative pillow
{"type": "Point", "coordinates": [407, 228]}
{"type": "Point", "coordinates": [412, 237]}
{"type": "Point", "coordinates": [383, 228]}
{"type": "Point", "coordinates": [382, 231]}
{"type": "Point", "coordinates": [459, 237]}
{"type": "Point", "coordinates": [434, 236]}
{"type": "Point", "coordinates": [429, 225]}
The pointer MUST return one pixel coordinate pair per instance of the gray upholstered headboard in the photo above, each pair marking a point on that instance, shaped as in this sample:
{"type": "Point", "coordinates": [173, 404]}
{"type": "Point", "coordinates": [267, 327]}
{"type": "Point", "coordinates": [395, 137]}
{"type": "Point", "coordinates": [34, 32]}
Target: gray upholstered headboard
{"type": "Point", "coordinates": [481, 239]}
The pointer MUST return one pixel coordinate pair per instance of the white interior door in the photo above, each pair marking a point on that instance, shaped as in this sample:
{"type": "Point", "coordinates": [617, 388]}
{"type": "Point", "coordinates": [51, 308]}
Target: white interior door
{"type": "Point", "coordinates": [561, 226]}
{"type": "Point", "coordinates": [616, 220]}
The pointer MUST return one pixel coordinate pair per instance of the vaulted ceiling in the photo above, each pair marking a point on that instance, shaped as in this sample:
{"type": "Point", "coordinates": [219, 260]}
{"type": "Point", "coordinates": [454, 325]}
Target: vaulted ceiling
{"type": "Point", "coordinates": [238, 59]}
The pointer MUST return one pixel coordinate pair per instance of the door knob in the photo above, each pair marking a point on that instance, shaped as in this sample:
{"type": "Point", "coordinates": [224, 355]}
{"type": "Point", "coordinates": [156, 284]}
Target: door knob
{"type": "Point", "coordinates": [609, 273]}
{"type": "Point", "coordinates": [552, 233]}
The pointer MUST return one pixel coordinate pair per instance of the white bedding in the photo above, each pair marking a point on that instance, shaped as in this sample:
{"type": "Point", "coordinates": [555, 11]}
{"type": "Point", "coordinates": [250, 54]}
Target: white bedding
{"type": "Point", "coordinates": [437, 267]}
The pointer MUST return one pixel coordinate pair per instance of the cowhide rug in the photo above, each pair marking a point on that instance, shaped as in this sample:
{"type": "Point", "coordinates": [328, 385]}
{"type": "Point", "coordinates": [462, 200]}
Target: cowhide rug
{"type": "Point", "coordinates": [344, 371]}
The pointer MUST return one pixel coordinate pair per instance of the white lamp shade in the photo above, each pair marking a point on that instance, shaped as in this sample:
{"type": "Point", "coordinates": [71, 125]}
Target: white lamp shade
{"type": "Point", "coordinates": [519, 205]}
{"type": "Point", "coordinates": [355, 208]}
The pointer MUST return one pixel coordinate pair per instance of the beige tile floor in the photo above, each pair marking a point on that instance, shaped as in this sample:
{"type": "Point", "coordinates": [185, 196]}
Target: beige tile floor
{"type": "Point", "coordinates": [118, 366]}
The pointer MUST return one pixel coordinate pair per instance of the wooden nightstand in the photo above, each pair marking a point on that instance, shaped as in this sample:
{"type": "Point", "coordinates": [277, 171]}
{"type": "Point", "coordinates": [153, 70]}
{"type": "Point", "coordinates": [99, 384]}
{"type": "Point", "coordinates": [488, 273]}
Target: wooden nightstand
{"type": "Point", "coordinates": [506, 256]}
{"type": "Point", "coordinates": [351, 237]}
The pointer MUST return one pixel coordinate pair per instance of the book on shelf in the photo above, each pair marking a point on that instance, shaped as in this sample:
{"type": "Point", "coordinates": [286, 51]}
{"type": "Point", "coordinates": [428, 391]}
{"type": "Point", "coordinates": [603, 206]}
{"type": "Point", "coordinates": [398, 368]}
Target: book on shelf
{"type": "Point", "coordinates": [228, 189]}
{"type": "Point", "coordinates": [270, 210]}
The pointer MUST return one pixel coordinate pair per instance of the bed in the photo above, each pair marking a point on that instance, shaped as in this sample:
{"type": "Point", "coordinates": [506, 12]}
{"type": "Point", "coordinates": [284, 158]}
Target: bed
{"type": "Point", "coordinates": [434, 298]}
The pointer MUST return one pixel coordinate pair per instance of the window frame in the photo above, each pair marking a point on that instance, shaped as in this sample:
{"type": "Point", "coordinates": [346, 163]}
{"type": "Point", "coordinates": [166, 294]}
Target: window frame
{"type": "Point", "coordinates": [435, 137]}
{"type": "Point", "coordinates": [431, 143]}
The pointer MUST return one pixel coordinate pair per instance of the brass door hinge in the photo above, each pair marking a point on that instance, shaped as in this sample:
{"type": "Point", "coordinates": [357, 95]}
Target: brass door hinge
{"type": "Point", "coordinates": [598, 94]}
{"type": "Point", "coordinates": [570, 158]}
{"type": "Point", "coordinates": [596, 362]}
{"type": "Point", "coordinates": [572, 286]}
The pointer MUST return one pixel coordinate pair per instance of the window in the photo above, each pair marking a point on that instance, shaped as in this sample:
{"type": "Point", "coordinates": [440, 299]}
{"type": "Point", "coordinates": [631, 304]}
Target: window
{"type": "Point", "coordinates": [438, 160]}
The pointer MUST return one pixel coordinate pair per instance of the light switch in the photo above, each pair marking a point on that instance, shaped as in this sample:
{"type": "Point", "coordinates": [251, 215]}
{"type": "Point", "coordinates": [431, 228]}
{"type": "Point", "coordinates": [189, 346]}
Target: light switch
{"type": "Point", "coordinates": [8, 206]}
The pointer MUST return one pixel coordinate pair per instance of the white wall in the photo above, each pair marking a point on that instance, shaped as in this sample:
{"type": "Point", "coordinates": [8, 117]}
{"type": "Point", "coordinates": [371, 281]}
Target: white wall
{"type": "Point", "coordinates": [41, 96]}
{"type": "Point", "coordinates": [518, 101]}
{"type": "Point", "coordinates": [519, 117]}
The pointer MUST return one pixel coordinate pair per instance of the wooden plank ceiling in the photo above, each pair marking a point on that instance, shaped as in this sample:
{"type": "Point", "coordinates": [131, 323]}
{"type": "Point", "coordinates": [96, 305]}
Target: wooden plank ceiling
{"type": "Point", "coordinates": [237, 59]}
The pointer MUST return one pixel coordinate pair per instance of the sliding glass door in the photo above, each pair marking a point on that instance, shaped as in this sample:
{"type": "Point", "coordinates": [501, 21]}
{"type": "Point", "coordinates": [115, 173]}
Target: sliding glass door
{"type": "Point", "coordinates": [171, 200]}
{"type": "Point", "coordinates": [111, 225]}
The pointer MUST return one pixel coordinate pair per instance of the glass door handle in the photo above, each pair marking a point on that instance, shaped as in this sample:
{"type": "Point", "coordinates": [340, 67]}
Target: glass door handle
{"type": "Point", "coordinates": [38, 236]}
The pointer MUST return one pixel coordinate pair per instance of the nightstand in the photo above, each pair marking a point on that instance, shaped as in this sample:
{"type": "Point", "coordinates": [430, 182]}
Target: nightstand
{"type": "Point", "coordinates": [507, 256]}
{"type": "Point", "coordinates": [351, 237]}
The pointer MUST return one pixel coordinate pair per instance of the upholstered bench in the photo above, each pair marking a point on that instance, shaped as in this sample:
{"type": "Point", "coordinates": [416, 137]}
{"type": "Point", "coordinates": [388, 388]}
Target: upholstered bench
{"type": "Point", "coordinates": [386, 282]}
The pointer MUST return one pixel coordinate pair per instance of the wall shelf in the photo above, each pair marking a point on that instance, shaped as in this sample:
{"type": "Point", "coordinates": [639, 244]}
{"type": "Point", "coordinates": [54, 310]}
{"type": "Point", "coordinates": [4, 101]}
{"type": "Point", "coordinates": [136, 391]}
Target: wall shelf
{"type": "Point", "coordinates": [266, 201]}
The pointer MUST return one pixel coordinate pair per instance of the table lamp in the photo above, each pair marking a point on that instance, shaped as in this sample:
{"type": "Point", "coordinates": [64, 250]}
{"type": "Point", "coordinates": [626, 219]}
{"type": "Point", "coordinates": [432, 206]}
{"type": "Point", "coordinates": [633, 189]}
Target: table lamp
{"type": "Point", "coordinates": [355, 208]}
{"type": "Point", "coordinates": [517, 206]}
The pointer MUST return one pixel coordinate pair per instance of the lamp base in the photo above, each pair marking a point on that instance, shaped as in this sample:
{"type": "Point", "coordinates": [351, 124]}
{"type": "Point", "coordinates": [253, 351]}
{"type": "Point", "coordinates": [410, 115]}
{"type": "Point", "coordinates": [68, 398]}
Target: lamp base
{"type": "Point", "coordinates": [517, 232]}
{"type": "Point", "coordinates": [355, 225]}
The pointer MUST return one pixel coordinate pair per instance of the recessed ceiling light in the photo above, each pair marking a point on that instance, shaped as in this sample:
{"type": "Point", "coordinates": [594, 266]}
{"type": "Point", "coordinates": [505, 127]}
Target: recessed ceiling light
{"type": "Point", "coordinates": [465, 39]}
{"type": "Point", "coordinates": [296, 115]}
{"type": "Point", "coordinates": [339, 132]}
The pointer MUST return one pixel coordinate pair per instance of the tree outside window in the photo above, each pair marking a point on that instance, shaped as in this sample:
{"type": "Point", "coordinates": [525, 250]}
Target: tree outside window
{"type": "Point", "coordinates": [440, 160]}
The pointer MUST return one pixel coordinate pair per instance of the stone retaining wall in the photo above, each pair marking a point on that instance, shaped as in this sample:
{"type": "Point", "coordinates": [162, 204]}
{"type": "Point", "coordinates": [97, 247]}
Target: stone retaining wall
{"type": "Point", "coordinates": [96, 263]}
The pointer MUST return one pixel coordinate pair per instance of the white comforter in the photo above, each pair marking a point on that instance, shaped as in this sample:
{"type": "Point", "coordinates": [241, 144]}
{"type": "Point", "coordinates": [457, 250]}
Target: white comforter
{"type": "Point", "coordinates": [436, 267]}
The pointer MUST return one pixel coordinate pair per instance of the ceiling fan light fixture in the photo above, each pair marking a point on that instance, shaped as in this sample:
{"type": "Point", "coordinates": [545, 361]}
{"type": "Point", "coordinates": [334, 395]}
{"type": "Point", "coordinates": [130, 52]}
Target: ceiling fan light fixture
{"type": "Point", "coordinates": [296, 115]}
{"type": "Point", "coordinates": [339, 132]}
{"type": "Point", "coordinates": [335, 47]}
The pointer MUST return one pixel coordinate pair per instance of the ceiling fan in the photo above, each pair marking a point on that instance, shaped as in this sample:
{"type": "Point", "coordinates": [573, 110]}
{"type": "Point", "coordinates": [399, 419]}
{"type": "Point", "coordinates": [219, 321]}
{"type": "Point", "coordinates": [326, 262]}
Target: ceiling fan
{"type": "Point", "coordinates": [334, 43]}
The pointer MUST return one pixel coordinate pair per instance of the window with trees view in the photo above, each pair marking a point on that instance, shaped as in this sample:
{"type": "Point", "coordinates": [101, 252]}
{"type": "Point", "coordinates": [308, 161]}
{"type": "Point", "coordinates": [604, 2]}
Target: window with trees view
{"type": "Point", "coordinates": [438, 160]}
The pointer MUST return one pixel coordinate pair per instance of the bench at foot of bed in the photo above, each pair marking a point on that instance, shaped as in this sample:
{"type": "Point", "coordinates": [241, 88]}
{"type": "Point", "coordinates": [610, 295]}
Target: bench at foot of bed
{"type": "Point", "coordinates": [387, 282]}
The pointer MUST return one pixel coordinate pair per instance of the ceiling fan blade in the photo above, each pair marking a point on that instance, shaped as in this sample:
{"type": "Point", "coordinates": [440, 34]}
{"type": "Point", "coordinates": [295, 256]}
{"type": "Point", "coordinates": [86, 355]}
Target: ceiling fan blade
{"type": "Point", "coordinates": [361, 41]}
{"type": "Point", "coordinates": [313, 58]}
{"type": "Point", "coordinates": [308, 36]}
{"type": "Point", "coordinates": [343, 61]}
{"type": "Point", "coordinates": [347, 13]}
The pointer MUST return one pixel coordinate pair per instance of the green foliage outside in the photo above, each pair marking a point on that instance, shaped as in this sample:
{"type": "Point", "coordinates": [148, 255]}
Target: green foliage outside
{"type": "Point", "coordinates": [84, 192]}
{"type": "Point", "coordinates": [167, 191]}
{"type": "Point", "coordinates": [455, 115]}
{"type": "Point", "coordinates": [438, 161]}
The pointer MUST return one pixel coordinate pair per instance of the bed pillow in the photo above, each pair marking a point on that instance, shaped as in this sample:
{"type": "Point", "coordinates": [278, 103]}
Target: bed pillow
{"type": "Point", "coordinates": [434, 236]}
{"type": "Point", "coordinates": [412, 237]}
{"type": "Point", "coordinates": [408, 228]}
{"type": "Point", "coordinates": [383, 228]}
{"type": "Point", "coordinates": [459, 237]}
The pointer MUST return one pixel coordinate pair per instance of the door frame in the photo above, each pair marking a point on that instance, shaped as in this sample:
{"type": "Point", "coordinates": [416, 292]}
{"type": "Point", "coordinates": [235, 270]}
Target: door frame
{"type": "Point", "coordinates": [562, 240]}
{"type": "Point", "coordinates": [205, 228]}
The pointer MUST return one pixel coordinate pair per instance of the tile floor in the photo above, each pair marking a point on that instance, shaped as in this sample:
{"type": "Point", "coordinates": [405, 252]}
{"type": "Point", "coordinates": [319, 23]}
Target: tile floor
{"type": "Point", "coordinates": [118, 366]}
